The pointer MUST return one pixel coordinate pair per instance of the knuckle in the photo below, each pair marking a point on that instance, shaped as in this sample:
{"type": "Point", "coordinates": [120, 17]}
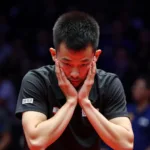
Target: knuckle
{"type": "Point", "coordinates": [63, 75]}
{"type": "Point", "coordinates": [60, 84]}
{"type": "Point", "coordinates": [94, 71]}
{"type": "Point", "coordinates": [57, 72]}
{"type": "Point", "coordinates": [67, 85]}
{"type": "Point", "coordinates": [92, 82]}
{"type": "Point", "coordinates": [89, 83]}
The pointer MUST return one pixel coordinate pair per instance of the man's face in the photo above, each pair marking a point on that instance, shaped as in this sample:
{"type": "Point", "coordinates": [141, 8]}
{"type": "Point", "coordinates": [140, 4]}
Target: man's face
{"type": "Point", "coordinates": [139, 90]}
{"type": "Point", "coordinates": [75, 64]}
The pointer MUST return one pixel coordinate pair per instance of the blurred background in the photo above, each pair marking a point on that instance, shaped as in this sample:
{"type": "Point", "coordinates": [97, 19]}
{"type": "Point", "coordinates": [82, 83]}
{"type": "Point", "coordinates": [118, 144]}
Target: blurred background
{"type": "Point", "coordinates": [25, 38]}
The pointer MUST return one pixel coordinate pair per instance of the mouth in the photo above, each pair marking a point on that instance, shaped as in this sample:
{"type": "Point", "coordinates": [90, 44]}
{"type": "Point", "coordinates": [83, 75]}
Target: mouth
{"type": "Point", "coordinates": [75, 81]}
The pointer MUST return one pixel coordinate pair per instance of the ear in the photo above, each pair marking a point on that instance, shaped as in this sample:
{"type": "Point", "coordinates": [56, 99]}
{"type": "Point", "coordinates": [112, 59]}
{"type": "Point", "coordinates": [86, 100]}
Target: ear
{"type": "Point", "coordinates": [53, 53]}
{"type": "Point", "coordinates": [98, 53]}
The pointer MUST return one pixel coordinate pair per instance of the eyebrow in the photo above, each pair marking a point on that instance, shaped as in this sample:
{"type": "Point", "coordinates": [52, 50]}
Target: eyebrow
{"type": "Point", "coordinates": [66, 59]}
{"type": "Point", "coordinates": [83, 60]}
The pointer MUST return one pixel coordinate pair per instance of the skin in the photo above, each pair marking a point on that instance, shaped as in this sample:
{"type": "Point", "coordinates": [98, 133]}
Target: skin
{"type": "Point", "coordinates": [75, 72]}
{"type": "Point", "coordinates": [139, 91]}
{"type": "Point", "coordinates": [140, 94]}
{"type": "Point", "coordinates": [106, 129]}
{"type": "Point", "coordinates": [75, 65]}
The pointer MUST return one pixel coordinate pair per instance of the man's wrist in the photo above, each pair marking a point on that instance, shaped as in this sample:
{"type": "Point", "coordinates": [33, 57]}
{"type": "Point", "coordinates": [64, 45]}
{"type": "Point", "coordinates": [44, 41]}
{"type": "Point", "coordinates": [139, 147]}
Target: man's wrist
{"type": "Point", "coordinates": [72, 101]}
{"type": "Point", "coordinates": [85, 102]}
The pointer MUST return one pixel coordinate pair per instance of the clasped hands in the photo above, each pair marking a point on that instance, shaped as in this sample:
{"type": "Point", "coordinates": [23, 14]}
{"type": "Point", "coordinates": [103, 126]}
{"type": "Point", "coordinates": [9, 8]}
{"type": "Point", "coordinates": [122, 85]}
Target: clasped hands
{"type": "Point", "coordinates": [71, 94]}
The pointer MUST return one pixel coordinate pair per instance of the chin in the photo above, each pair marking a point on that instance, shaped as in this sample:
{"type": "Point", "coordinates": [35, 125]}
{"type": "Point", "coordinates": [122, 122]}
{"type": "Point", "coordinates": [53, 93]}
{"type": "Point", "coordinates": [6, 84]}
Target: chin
{"type": "Point", "coordinates": [77, 86]}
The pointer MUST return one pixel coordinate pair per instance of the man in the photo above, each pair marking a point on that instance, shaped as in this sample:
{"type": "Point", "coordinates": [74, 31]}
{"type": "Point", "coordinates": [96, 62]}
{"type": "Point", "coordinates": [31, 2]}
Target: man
{"type": "Point", "coordinates": [67, 106]}
{"type": "Point", "coordinates": [140, 113]}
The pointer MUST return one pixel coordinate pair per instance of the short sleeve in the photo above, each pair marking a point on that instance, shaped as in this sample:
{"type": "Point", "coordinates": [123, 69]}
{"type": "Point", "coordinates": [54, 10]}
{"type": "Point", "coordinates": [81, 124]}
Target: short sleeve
{"type": "Point", "coordinates": [32, 95]}
{"type": "Point", "coordinates": [115, 100]}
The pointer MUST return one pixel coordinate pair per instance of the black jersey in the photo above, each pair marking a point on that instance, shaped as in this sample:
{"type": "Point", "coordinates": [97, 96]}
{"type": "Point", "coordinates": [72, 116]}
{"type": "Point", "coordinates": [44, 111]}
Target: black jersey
{"type": "Point", "coordinates": [40, 92]}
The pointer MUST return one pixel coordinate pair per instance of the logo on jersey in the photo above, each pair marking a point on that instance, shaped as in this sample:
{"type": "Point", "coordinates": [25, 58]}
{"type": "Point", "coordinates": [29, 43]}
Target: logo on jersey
{"type": "Point", "coordinates": [27, 101]}
{"type": "Point", "coordinates": [83, 113]}
{"type": "Point", "coordinates": [55, 109]}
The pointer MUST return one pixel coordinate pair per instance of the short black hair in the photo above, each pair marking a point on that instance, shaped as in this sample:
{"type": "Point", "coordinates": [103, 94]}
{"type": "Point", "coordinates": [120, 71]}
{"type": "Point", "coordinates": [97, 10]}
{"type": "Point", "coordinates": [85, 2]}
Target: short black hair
{"type": "Point", "coordinates": [77, 30]}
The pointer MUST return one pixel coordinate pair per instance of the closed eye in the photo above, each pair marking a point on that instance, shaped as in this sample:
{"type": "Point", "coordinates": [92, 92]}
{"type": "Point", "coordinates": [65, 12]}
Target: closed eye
{"type": "Point", "coordinates": [67, 64]}
{"type": "Point", "coordinates": [83, 65]}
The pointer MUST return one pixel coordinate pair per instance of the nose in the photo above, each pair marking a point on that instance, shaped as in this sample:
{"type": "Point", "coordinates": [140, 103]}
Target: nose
{"type": "Point", "coordinates": [74, 73]}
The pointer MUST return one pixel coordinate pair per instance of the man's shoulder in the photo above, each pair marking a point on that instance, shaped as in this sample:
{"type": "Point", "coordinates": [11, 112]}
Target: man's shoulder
{"type": "Point", "coordinates": [104, 73]}
{"type": "Point", "coordinates": [43, 72]}
{"type": "Point", "coordinates": [104, 77]}
{"type": "Point", "coordinates": [44, 69]}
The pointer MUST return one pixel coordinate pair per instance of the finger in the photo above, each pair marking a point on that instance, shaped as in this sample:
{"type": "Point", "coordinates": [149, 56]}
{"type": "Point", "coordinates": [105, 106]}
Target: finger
{"type": "Point", "coordinates": [92, 69]}
{"type": "Point", "coordinates": [93, 66]}
{"type": "Point", "coordinates": [58, 72]}
{"type": "Point", "coordinates": [64, 78]}
{"type": "Point", "coordinates": [92, 72]}
{"type": "Point", "coordinates": [89, 73]}
{"type": "Point", "coordinates": [94, 59]}
{"type": "Point", "coordinates": [57, 67]}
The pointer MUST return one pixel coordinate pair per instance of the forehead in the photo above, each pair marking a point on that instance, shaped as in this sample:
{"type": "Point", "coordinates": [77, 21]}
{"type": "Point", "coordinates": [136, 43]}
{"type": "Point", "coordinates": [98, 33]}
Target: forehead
{"type": "Point", "coordinates": [64, 52]}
